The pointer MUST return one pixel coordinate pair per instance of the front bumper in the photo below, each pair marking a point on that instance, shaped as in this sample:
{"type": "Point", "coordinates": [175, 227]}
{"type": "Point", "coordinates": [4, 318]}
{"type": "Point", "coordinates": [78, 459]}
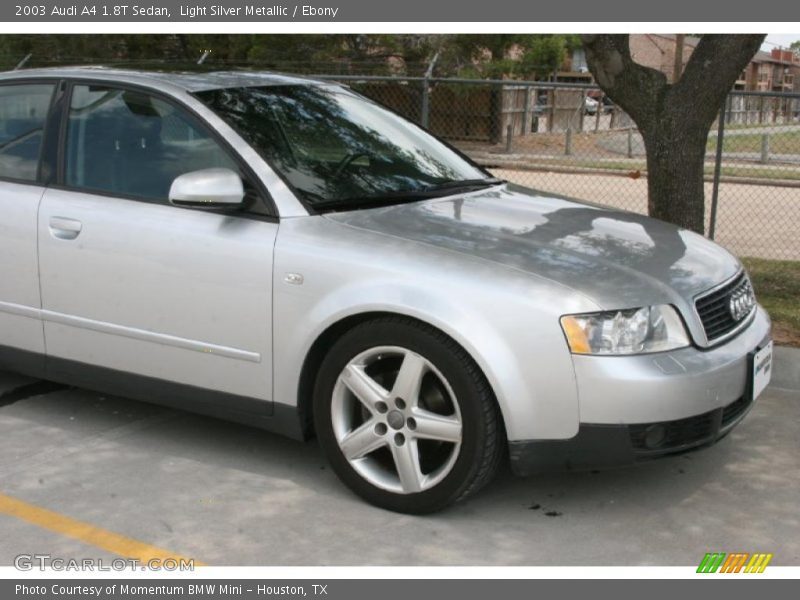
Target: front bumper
{"type": "Point", "coordinates": [608, 446]}
{"type": "Point", "coordinates": [638, 408]}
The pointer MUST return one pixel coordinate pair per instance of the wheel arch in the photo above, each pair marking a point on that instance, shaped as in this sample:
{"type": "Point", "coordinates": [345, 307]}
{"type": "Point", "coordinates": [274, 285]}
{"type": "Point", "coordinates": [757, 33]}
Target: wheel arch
{"type": "Point", "coordinates": [318, 350]}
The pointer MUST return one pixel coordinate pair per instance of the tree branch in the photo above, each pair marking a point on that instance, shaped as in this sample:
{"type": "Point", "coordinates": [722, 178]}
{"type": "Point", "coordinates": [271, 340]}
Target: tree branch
{"type": "Point", "coordinates": [712, 70]}
{"type": "Point", "coordinates": [634, 87]}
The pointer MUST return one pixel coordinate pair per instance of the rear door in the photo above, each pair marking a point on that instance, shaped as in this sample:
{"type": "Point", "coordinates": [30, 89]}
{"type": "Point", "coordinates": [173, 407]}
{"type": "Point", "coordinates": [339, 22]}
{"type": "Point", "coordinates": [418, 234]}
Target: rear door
{"type": "Point", "coordinates": [23, 114]}
{"type": "Point", "coordinates": [137, 286]}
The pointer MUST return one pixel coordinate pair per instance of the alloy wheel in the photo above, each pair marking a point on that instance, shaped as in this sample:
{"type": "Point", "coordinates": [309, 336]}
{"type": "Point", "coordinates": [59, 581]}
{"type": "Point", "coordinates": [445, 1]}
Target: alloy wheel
{"type": "Point", "coordinates": [396, 420]}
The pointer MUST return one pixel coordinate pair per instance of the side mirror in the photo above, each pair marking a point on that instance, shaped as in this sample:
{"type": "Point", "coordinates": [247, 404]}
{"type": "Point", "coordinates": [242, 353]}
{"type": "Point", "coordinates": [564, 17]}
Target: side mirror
{"type": "Point", "coordinates": [207, 188]}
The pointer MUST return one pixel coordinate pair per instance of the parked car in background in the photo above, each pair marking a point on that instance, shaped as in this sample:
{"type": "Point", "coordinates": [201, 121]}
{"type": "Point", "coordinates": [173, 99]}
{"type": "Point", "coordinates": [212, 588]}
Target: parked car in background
{"type": "Point", "coordinates": [287, 254]}
{"type": "Point", "coordinates": [541, 105]}
{"type": "Point", "coordinates": [590, 105]}
{"type": "Point", "coordinates": [600, 102]}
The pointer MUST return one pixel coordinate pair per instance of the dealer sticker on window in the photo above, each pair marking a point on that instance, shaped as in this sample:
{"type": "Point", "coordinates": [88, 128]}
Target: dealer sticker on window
{"type": "Point", "coordinates": [762, 369]}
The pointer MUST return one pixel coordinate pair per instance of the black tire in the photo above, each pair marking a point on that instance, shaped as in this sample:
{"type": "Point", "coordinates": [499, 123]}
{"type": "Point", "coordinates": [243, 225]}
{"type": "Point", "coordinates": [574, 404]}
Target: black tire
{"type": "Point", "coordinates": [482, 436]}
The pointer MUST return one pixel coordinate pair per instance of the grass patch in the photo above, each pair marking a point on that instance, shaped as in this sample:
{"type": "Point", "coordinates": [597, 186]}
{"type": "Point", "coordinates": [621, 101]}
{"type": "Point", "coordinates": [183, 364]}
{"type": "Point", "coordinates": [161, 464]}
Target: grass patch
{"type": "Point", "coordinates": [777, 286]}
{"type": "Point", "coordinates": [758, 172]}
{"type": "Point", "coordinates": [767, 123]}
{"type": "Point", "coordinates": [625, 168]}
{"type": "Point", "coordinates": [779, 143]}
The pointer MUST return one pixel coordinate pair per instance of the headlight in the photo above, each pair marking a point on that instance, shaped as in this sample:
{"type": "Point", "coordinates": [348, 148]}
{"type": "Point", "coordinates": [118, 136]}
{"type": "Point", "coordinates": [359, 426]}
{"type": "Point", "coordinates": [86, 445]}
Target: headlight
{"type": "Point", "coordinates": [632, 331]}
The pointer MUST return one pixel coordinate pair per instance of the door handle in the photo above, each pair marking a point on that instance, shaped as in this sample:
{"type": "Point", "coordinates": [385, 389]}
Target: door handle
{"type": "Point", "coordinates": [65, 229]}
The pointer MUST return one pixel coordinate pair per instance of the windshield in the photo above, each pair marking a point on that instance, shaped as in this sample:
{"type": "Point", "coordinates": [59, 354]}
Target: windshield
{"type": "Point", "coordinates": [338, 149]}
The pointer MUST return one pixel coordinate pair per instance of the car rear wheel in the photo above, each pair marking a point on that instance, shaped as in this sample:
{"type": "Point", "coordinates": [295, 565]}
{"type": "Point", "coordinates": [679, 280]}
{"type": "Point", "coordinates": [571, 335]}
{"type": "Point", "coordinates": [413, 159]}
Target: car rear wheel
{"type": "Point", "coordinates": [405, 417]}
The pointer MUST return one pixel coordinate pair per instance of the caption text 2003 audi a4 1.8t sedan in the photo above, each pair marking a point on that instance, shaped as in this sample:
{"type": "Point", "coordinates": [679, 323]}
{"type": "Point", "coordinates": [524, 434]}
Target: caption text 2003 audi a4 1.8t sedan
{"type": "Point", "coordinates": [288, 254]}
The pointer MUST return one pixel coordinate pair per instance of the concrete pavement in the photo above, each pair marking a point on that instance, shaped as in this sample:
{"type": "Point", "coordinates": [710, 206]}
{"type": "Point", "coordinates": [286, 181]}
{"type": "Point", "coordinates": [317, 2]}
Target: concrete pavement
{"type": "Point", "coordinates": [787, 368]}
{"type": "Point", "coordinates": [225, 494]}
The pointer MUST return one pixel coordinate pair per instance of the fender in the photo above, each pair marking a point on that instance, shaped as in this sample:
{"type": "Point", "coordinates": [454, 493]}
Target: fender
{"type": "Point", "coordinates": [537, 401]}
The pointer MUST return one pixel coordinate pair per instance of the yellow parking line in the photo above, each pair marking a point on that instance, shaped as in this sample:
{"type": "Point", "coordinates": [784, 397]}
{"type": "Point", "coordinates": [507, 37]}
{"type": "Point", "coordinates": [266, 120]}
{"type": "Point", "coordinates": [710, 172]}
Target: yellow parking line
{"type": "Point", "coordinates": [84, 532]}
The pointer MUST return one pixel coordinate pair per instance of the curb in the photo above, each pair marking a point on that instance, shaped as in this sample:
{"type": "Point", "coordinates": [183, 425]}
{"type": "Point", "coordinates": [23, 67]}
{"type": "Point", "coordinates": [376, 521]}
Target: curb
{"type": "Point", "coordinates": [786, 368]}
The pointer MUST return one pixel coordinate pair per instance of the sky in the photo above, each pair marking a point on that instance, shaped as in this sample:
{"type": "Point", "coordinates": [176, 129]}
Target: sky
{"type": "Point", "coordinates": [775, 40]}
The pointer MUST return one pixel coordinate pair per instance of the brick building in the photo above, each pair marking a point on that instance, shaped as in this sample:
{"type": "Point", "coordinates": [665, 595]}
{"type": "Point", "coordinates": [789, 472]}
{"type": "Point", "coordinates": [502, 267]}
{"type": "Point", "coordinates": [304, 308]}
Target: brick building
{"type": "Point", "coordinates": [775, 71]}
{"type": "Point", "coordinates": [657, 51]}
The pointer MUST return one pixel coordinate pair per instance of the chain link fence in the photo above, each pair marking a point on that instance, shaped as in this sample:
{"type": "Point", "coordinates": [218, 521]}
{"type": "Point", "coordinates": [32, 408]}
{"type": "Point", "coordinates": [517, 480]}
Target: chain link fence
{"type": "Point", "coordinates": [571, 139]}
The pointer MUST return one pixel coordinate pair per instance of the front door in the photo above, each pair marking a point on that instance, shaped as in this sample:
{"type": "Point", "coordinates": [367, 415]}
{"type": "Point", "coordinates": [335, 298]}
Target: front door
{"type": "Point", "coordinates": [135, 285]}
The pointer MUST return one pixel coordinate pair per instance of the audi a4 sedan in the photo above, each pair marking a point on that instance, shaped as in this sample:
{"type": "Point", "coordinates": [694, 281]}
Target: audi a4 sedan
{"type": "Point", "coordinates": [288, 254]}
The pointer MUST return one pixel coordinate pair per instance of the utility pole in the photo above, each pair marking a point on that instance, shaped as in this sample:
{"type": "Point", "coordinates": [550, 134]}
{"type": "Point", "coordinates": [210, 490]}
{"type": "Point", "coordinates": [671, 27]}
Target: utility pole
{"type": "Point", "coordinates": [23, 62]}
{"type": "Point", "coordinates": [677, 69]}
{"type": "Point", "coordinates": [426, 92]}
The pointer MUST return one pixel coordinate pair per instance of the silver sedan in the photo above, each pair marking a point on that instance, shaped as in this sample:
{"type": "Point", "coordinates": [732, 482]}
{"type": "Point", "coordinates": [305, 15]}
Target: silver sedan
{"type": "Point", "coordinates": [288, 254]}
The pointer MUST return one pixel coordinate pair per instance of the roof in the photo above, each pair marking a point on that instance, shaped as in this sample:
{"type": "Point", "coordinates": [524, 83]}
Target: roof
{"type": "Point", "coordinates": [762, 56]}
{"type": "Point", "coordinates": [188, 81]}
{"type": "Point", "coordinates": [688, 40]}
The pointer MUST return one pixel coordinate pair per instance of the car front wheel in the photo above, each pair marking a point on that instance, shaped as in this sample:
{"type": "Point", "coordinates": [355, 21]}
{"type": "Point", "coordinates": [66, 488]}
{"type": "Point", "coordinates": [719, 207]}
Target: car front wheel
{"type": "Point", "coordinates": [405, 417]}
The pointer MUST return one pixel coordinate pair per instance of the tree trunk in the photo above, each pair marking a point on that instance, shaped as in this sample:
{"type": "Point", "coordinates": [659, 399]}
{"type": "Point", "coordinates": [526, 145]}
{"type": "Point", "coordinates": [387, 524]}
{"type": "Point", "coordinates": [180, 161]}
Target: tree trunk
{"type": "Point", "coordinates": [675, 165]}
{"type": "Point", "coordinates": [674, 118]}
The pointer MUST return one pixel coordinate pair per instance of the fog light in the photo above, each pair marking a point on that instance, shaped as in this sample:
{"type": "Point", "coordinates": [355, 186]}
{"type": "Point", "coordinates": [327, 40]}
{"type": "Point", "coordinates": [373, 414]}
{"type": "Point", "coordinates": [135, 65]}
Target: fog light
{"type": "Point", "coordinates": [654, 436]}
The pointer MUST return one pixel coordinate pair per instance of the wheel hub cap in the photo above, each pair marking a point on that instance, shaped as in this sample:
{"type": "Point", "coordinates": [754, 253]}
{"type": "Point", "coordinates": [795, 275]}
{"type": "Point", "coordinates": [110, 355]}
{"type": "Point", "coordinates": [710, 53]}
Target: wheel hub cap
{"type": "Point", "coordinates": [395, 419]}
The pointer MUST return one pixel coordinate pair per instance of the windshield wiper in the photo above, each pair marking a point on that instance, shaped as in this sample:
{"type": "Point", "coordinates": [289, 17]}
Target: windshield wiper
{"type": "Point", "coordinates": [467, 183]}
{"type": "Point", "coordinates": [388, 198]}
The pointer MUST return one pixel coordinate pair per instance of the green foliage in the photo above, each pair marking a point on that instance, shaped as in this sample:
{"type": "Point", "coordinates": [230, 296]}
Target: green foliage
{"type": "Point", "coordinates": [49, 50]}
{"type": "Point", "coordinates": [475, 56]}
{"type": "Point", "coordinates": [544, 55]}
{"type": "Point", "coordinates": [777, 287]}
{"type": "Point", "coordinates": [502, 56]}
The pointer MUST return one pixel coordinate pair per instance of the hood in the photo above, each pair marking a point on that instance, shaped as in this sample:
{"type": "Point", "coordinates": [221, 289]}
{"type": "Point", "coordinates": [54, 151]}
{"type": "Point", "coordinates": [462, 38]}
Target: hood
{"type": "Point", "coordinates": [619, 259]}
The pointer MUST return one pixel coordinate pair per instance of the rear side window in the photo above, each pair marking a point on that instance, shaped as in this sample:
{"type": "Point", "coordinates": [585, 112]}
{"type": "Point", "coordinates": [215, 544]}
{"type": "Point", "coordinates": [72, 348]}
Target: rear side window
{"type": "Point", "coordinates": [23, 110]}
{"type": "Point", "coordinates": [131, 144]}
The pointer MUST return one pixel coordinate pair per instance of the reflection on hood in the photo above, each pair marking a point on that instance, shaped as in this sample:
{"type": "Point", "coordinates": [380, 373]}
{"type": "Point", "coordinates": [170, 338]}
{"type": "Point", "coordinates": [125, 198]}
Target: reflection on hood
{"type": "Point", "coordinates": [606, 253]}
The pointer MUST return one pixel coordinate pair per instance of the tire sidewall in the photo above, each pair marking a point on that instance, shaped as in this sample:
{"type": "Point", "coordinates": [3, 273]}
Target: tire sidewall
{"type": "Point", "coordinates": [462, 380]}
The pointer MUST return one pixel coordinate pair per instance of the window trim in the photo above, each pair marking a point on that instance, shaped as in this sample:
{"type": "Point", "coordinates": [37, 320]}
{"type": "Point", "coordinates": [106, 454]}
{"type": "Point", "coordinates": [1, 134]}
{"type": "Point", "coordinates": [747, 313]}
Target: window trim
{"type": "Point", "coordinates": [252, 179]}
{"type": "Point", "coordinates": [37, 180]}
{"type": "Point", "coordinates": [52, 141]}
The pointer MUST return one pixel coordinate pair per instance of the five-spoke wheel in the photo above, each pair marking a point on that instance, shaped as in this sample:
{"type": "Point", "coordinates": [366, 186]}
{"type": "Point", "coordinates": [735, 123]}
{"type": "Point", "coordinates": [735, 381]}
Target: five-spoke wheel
{"type": "Point", "coordinates": [396, 419]}
{"type": "Point", "coordinates": [406, 418]}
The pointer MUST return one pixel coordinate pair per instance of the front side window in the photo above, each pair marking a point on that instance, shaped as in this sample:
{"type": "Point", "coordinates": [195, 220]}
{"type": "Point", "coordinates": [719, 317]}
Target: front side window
{"type": "Point", "coordinates": [23, 110]}
{"type": "Point", "coordinates": [337, 148]}
{"type": "Point", "coordinates": [131, 144]}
